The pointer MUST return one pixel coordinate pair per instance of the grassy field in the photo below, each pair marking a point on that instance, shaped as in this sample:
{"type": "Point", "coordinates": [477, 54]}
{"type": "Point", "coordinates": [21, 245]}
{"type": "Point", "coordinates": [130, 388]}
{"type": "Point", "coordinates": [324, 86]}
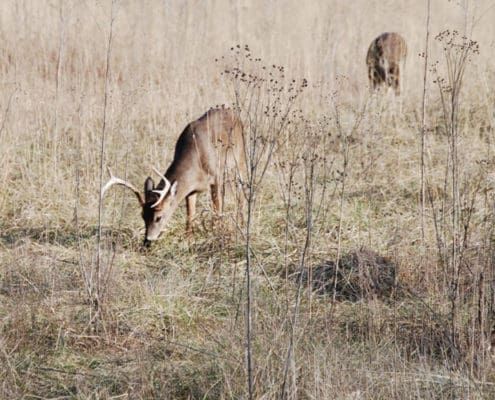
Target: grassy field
{"type": "Point", "coordinates": [359, 289]}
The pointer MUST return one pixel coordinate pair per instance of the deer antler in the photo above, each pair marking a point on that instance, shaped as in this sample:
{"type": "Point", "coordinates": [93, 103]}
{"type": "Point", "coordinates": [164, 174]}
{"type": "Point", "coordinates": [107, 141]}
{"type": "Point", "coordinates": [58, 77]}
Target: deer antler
{"type": "Point", "coordinates": [163, 191]}
{"type": "Point", "coordinates": [117, 181]}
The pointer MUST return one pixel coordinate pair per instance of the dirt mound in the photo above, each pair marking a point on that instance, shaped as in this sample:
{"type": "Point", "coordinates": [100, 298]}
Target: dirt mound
{"type": "Point", "coordinates": [359, 274]}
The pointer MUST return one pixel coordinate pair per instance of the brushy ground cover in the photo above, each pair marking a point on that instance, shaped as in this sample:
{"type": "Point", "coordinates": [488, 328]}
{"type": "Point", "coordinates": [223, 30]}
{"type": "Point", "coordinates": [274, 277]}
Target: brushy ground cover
{"type": "Point", "coordinates": [393, 296]}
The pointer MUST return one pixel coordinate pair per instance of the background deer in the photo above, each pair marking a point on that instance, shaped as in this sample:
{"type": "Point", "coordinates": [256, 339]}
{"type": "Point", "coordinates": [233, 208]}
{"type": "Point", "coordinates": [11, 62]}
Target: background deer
{"type": "Point", "coordinates": [205, 152]}
{"type": "Point", "coordinates": [385, 59]}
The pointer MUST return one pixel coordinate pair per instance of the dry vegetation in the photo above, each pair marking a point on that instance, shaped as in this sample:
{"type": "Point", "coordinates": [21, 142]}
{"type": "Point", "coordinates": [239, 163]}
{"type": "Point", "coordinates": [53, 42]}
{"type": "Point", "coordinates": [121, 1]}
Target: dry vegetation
{"type": "Point", "coordinates": [359, 290]}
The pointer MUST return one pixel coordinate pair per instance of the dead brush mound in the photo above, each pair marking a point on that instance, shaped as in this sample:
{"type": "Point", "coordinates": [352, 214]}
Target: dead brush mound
{"type": "Point", "coordinates": [359, 274]}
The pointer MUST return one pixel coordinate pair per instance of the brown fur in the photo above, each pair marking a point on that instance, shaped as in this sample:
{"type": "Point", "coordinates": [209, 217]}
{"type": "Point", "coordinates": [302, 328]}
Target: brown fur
{"type": "Point", "coordinates": [205, 152]}
{"type": "Point", "coordinates": [385, 58]}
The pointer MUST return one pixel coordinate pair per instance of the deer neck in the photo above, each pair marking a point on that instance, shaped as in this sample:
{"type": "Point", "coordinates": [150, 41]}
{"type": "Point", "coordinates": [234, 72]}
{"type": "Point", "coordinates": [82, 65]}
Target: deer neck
{"type": "Point", "coordinates": [186, 180]}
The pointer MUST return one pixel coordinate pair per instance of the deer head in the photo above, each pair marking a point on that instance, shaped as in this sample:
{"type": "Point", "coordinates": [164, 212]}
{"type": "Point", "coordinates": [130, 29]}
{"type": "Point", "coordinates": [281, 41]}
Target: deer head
{"type": "Point", "coordinates": [158, 203]}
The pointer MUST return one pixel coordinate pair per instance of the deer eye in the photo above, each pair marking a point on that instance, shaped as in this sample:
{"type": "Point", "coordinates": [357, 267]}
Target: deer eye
{"type": "Point", "coordinates": [158, 219]}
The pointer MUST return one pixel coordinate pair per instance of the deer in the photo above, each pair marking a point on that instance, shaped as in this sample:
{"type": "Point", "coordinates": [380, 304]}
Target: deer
{"type": "Point", "coordinates": [206, 151]}
{"type": "Point", "coordinates": [385, 58]}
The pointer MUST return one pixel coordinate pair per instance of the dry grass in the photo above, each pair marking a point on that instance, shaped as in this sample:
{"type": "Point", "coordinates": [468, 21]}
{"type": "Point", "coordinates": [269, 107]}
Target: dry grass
{"type": "Point", "coordinates": [172, 322]}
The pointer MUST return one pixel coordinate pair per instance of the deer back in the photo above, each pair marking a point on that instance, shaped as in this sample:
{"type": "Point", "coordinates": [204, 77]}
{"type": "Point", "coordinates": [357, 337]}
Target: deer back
{"type": "Point", "coordinates": [206, 148]}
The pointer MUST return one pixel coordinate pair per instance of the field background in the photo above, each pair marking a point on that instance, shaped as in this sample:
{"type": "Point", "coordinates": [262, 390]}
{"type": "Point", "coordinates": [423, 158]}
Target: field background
{"type": "Point", "coordinates": [172, 320]}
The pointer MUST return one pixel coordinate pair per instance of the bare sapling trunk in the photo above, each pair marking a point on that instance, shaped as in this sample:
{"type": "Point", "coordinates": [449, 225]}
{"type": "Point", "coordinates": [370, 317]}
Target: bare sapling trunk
{"type": "Point", "coordinates": [263, 104]}
{"type": "Point", "coordinates": [457, 52]}
{"type": "Point", "coordinates": [423, 126]}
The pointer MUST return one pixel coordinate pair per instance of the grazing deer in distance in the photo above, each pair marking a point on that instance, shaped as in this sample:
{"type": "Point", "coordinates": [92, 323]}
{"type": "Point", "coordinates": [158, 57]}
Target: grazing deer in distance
{"type": "Point", "coordinates": [205, 152]}
{"type": "Point", "coordinates": [385, 58]}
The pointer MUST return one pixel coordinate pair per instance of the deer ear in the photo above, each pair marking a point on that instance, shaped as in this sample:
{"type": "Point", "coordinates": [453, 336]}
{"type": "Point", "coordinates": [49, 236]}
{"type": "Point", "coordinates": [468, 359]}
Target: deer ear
{"type": "Point", "coordinates": [173, 189]}
{"type": "Point", "coordinates": [149, 185]}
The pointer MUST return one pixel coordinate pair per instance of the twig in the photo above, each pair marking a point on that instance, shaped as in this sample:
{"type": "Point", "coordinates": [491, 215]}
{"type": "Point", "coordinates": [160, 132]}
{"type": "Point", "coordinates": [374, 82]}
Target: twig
{"type": "Point", "coordinates": [423, 126]}
{"type": "Point", "coordinates": [96, 294]}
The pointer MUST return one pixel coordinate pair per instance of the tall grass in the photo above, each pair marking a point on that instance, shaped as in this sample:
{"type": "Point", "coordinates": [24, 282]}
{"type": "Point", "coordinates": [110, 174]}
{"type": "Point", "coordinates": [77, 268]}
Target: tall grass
{"type": "Point", "coordinates": [340, 302]}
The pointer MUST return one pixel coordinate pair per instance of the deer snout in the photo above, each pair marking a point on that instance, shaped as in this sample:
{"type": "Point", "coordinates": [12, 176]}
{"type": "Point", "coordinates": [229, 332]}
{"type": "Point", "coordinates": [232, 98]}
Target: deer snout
{"type": "Point", "coordinates": [151, 236]}
{"type": "Point", "coordinates": [148, 239]}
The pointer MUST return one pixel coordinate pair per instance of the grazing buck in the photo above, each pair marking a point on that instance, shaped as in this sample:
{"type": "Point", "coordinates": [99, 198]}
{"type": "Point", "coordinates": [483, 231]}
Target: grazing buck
{"type": "Point", "coordinates": [385, 59]}
{"type": "Point", "coordinates": [205, 152]}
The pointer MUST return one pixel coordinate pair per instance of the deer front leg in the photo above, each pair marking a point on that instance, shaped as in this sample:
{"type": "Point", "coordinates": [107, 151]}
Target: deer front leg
{"type": "Point", "coordinates": [216, 198]}
{"type": "Point", "coordinates": [191, 211]}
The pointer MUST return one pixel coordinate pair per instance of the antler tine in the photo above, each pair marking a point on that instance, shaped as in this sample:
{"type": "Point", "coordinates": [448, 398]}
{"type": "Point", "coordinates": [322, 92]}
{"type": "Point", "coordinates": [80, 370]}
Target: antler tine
{"type": "Point", "coordinates": [161, 192]}
{"type": "Point", "coordinates": [117, 181]}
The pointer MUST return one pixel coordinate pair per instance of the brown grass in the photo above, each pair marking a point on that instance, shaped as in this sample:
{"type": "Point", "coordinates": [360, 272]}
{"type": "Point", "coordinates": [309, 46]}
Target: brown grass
{"type": "Point", "coordinates": [172, 322]}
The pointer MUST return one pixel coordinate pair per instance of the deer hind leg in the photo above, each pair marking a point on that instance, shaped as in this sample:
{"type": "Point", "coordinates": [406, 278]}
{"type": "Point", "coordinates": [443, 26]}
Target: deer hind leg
{"type": "Point", "coordinates": [393, 78]}
{"type": "Point", "coordinates": [379, 75]}
{"type": "Point", "coordinates": [191, 211]}
{"type": "Point", "coordinates": [371, 77]}
{"type": "Point", "coordinates": [401, 67]}
{"type": "Point", "coordinates": [239, 196]}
